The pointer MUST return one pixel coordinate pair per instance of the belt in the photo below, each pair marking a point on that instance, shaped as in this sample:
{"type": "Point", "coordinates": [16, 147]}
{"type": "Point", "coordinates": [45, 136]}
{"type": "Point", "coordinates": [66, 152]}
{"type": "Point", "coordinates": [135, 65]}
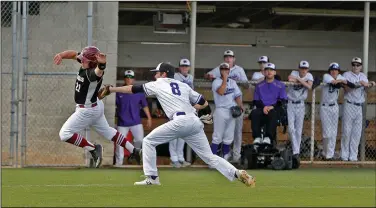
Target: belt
{"type": "Point", "coordinates": [326, 104]}
{"type": "Point", "coordinates": [91, 106]}
{"type": "Point", "coordinates": [357, 104]}
{"type": "Point", "coordinates": [180, 113]}
{"type": "Point", "coordinates": [295, 102]}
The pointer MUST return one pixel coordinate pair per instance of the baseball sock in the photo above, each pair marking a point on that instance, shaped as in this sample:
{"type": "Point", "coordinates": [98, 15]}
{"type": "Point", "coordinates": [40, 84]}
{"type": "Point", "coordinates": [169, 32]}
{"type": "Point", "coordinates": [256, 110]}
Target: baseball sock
{"type": "Point", "coordinates": [120, 139]}
{"type": "Point", "coordinates": [226, 149]}
{"type": "Point", "coordinates": [80, 141]}
{"type": "Point", "coordinates": [214, 148]}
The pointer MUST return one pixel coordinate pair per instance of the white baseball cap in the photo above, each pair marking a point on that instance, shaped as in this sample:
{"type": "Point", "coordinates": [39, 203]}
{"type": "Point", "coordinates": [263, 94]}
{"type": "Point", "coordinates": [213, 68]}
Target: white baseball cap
{"type": "Point", "coordinates": [229, 53]}
{"type": "Point", "coordinates": [129, 73]}
{"type": "Point", "coordinates": [269, 66]}
{"type": "Point", "coordinates": [263, 59]}
{"type": "Point", "coordinates": [184, 62]}
{"type": "Point", "coordinates": [356, 60]}
{"type": "Point", "coordinates": [224, 65]}
{"type": "Point", "coordinates": [304, 65]}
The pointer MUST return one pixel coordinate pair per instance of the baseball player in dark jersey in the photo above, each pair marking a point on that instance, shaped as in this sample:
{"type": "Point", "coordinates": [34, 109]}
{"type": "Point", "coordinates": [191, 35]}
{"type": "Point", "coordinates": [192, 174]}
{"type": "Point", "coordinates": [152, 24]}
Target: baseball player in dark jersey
{"type": "Point", "coordinates": [89, 109]}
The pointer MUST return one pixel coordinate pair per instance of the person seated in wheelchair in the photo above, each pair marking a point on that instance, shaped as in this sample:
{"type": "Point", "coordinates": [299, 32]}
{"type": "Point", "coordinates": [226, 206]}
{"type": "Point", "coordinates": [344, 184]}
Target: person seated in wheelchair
{"type": "Point", "coordinates": [269, 96]}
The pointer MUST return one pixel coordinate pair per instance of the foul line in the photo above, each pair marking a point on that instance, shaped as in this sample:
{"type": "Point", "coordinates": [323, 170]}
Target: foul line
{"type": "Point", "coordinates": [127, 185]}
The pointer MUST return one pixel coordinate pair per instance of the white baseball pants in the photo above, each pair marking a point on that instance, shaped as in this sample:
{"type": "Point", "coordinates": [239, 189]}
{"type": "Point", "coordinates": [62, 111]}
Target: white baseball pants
{"type": "Point", "coordinates": [191, 130]}
{"type": "Point", "coordinates": [85, 117]}
{"type": "Point", "coordinates": [176, 148]}
{"type": "Point", "coordinates": [224, 126]}
{"type": "Point", "coordinates": [295, 115]}
{"type": "Point", "coordinates": [138, 135]}
{"type": "Point", "coordinates": [329, 122]}
{"type": "Point", "coordinates": [238, 138]}
{"type": "Point", "coordinates": [352, 121]}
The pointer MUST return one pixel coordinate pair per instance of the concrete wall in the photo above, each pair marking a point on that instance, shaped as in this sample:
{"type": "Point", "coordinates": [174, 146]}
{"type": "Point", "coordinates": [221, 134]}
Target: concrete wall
{"type": "Point", "coordinates": [319, 48]}
{"type": "Point", "coordinates": [58, 27]}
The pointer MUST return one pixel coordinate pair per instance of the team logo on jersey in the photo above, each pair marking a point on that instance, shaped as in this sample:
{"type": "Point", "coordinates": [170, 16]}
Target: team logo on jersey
{"type": "Point", "coordinates": [297, 87]}
{"type": "Point", "coordinates": [79, 78]}
{"type": "Point", "coordinates": [234, 77]}
{"type": "Point", "coordinates": [229, 91]}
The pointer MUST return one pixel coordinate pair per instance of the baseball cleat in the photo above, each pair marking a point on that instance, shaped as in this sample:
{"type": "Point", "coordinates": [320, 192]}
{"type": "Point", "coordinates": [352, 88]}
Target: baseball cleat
{"type": "Point", "coordinates": [175, 164]}
{"type": "Point", "coordinates": [266, 140]}
{"type": "Point", "coordinates": [247, 179]}
{"type": "Point", "coordinates": [184, 164]}
{"type": "Point", "coordinates": [148, 181]}
{"type": "Point", "coordinates": [96, 154]}
{"type": "Point", "coordinates": [137, 155]}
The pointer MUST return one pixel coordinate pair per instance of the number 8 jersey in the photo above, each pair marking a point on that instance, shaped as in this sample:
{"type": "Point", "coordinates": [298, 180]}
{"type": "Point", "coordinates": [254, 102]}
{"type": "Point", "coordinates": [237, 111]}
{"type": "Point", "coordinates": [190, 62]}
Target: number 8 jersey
{"type": "Point", "coordinates": [87, 86]}
{"type": "Point", "coordinates": [173, 95]}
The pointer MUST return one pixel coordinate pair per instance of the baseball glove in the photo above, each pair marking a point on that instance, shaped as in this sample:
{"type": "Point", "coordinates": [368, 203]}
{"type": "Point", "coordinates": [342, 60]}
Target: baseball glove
{"type": "Point", "coordinates": [104, 91]}
{"type": "Point", "coordinates": [236, 111]}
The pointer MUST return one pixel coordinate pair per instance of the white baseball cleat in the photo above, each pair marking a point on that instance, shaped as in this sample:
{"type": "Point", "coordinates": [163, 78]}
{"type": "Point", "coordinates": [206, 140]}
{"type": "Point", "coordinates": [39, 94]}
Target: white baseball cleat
{"type": "Point", "coordinates": [257, 140]}
{"type": "Point", "coordinates": [185, 164]}
{"type": "Point", "coordinates": [247, 179]}
{"type": "Point", "coordinates": [148, 181]}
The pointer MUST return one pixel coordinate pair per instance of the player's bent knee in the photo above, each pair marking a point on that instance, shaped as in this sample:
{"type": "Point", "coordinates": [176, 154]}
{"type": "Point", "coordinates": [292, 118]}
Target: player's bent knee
{"type": "Point", "coordinates": [65, 135]}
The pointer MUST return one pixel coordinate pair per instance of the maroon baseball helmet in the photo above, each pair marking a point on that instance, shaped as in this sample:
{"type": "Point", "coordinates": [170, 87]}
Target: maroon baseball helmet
{"type": "Point", "coordinates": [88, 55]}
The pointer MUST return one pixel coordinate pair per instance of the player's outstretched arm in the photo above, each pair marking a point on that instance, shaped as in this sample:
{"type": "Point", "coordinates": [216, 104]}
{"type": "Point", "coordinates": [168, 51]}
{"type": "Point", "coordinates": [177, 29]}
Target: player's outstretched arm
{"type": "Point", "coordinates": [199, 107]}
{"type": "Point", "coordinates": [69, 54]}
{"type": "Point", "coordinates": [124, 89]}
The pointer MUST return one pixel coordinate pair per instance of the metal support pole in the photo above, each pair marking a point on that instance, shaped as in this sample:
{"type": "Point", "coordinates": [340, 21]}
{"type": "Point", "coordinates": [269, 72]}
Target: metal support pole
{"type": "Point", "coordinates": [192, 56]}
{"type": "Point", "coordinates": [365, 71]}
{"type": "Point", "coordinates": [13, 119]}
{"type": "Point", "coordinates": [89, 23]}
{"type": "Point", "coordinates": [313, 114]}
{"type": "Point", "coordinates": [24, 82]}
{"type": "Point", "coordinates": [88, 159]}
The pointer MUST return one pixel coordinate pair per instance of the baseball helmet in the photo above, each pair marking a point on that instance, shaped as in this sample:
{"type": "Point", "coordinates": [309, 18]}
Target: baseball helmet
{"type": "Point", "coordinates": [88, 54]}
{"type": "Point", "coordinates": [334, 66]}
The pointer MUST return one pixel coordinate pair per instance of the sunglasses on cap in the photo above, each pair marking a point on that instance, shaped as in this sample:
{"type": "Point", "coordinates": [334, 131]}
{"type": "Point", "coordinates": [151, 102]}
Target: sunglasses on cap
{"type": "Point", "coordinates": [129, 76]}
{"type": "Point", "coordinates": [356, 65]}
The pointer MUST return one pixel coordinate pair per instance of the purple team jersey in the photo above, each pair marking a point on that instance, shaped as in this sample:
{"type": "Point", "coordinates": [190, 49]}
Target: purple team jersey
{"type": "Point", "coordinates": [128, 108]}
{"type": "Point", "coordinates": [270, 93]}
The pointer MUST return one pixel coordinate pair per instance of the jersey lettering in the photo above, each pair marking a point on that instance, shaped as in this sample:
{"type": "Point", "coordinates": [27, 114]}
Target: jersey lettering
{"type": "Point", "coordinates": [78, 87]}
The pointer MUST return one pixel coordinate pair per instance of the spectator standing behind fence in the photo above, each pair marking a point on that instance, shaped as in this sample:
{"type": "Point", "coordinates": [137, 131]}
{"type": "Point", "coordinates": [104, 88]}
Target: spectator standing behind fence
{"type": "Point", "coordinates": [296, 95]}
{"type": "Point", "coordinates": [329, 108]}
{"type": "Point", "coordinates": [352, 110]}
{"type": "Point", "coordinates": [176, 146]}
{"type": "Point", "coordinates": [128, 115]}
{"type": "Point", "coordinates": [226, 94]}
{"type": "Point", "coordinates": [237, 73]}
{"type": "Point", "coordinates": [269, 94]}
{"type": "Point", "coordinates": [260, 76]}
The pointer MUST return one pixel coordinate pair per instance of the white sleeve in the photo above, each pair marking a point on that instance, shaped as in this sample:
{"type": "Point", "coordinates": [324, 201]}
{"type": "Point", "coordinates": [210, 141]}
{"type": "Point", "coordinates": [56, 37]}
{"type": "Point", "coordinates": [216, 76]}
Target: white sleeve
{"type": "Point", "coordinates": [150, 88]}
{"type": "Point", "coordinates": [327, 79]}
{"type": "Point", "coordinates": [215, 72]}
{"type": "Point", "coordinates": [194, 96]}
{"type": "Point", "coordinates": [295, 74]}
{"type": "Point", "coordinates": [243, 75]}
{"type": "Point", "coordinates": [215, 84]}
{"type": "Point", "coordinates": [309, 77]}
{"type": "Point", "coordinates": [237, 91]}
{"type": "Point", "coordinates": [256, 76]}
{"type": "Point", "coordinates": [340, 77]}
{"type": "Point", "coordinates": [363, 78]}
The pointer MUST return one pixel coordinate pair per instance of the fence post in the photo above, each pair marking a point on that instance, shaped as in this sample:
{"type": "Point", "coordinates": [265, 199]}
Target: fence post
{"type": "Point", "coordinates": [24, 82]}
{"type": "Point", "coordinates": [313, 113]}
{"type": "Point", "coordinates": [13, 127]}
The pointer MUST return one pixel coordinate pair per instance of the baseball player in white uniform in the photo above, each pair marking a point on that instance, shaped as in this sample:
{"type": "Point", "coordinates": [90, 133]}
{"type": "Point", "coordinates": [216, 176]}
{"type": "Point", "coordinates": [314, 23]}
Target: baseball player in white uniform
{"type": "Point", "coordinates": [89, 110]}
{"type": "Point", "coordinates": [352, 111]}
{"type": "Point", "coordinates": [237, 73]}
{"type": "Point", "coordinates": [176, 146]}
{"type": "Point", "coordinates": [226, 94]}
{"type": "Point", "coordinates": [329, 108]}
{"type": "Point", "coordinates": [296, 95]}
{"type": "Point", "coordinates": [259, 76]}
{"type": "Point", "coordinates": [176, 99]}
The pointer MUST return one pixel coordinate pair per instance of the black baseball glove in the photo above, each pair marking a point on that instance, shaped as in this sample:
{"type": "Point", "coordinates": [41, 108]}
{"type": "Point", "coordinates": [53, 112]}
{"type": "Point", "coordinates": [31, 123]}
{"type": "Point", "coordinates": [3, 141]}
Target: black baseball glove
{"type": "Point", "coordinates": [236, 111]}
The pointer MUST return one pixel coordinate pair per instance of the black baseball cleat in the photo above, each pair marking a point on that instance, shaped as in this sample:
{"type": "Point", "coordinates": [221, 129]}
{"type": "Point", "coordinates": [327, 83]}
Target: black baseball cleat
{"type": "Point", "coordinates": [137, 155]}
{"type": "Point", "coordinates": [96, 154]}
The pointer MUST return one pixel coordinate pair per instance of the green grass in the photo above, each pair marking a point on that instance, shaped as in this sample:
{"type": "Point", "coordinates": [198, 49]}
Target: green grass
{"type": "Point", "coordinates": [190, 187]}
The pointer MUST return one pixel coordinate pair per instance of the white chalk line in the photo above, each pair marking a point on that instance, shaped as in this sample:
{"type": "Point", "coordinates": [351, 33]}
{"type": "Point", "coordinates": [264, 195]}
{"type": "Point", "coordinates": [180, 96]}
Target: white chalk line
{"type": "Point", "coordinates": [127, 185]}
